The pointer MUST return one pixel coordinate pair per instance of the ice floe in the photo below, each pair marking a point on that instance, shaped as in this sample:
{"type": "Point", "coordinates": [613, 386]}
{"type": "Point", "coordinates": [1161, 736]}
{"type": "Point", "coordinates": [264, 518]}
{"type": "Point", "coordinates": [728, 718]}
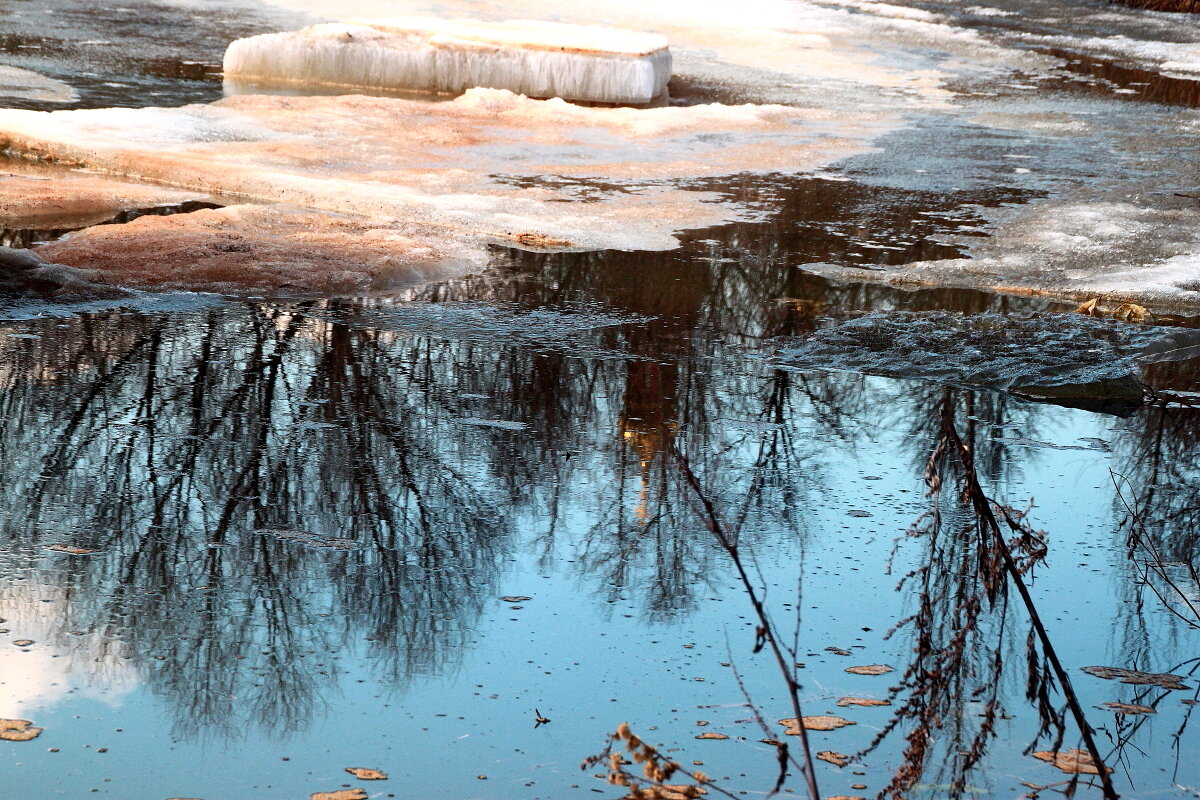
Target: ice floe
{"type": "Point", "coordinates": [537, 59]}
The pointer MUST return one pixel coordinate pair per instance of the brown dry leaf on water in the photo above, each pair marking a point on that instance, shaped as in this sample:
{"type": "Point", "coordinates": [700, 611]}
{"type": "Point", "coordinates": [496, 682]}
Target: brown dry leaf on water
{"type": "Point", "coordinates": [834, 757]}
{"type": "Point", "coordinates": [841, 651]}
{"type": "Point", "coordinates": [1089, 307]}
{"type": "Point", "coordinates": [712, 735]}
{"type": "Point", "coordinates": [670, 791]}
{"type": "Point", "coordinates": [862, 701]}
{"type": "Point", "coordinates": [515, 598]}
{"type": "Point", "coordinates": [1132, 312]}
{"type": "Point", "coordinates": [818, 722]}
{"type": "Point", "coordinates": [539, 240]}
{"type": "Point", "coordinates": [71, 549]}
{"type": "Point", "coordinates": [23, 642]}
{"type": "Point", "coordinates": [871, 669]}
{"type": "Point", "coordinates": [1129, 708]}
{"type": "Point", "coordinates": [18, 730]}
{"type": "Point", "coordinates": [340, 794]}
{"type": "Point", "coordinates": [845, 797]}
{"type": "Point", "coordinates": [1132, 676]}
{"type": "Point", "coordinates": [1074, 761]}
{"type": "Point", "coordinates": [367, 774]}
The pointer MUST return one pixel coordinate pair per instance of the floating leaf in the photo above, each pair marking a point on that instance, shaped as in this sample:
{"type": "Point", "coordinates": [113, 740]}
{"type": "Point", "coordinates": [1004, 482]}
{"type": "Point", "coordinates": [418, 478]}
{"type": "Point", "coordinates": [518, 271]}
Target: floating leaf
{"type": "Point", "coordinates": [1132, 312]}
{"type": "Point", "coordinates": [340, 794]}
{"type": "Point", "coordinates": [515, 598]}
{"type": "Point", "coordinates": [1074, 761]}
{"type": "Point", "coordinates": [1132, 676]}
{"type": "Point", "coordinates": [711, 735]}
{"type": "Point", "coordinates": [23, 642]}
{"type": "Point", "coordinates": [71, 549]}
{"type": "Point", "coordinates": [845, 797]}
{"type": "Point", "coordinates": [367, 774]}
{"type": "Point", "coordinates": [834, 757]}
{"type": "Point", "coordinates": [818, 722]}
{"type": "Point", "coordinates": [1129, 708]}
{"type": "Point", "coordinates": [871, 669]}
{"type": "Point", "coordinates": [838, 651]}
{"type": "Point", "coordinates": [861, 701]}
{"type": "Point", "coordinates": [18, 730]}
{"type": "Point", "coordinates": [1089, 307]}
{"type": "Point", "coordinates": [671, 791]}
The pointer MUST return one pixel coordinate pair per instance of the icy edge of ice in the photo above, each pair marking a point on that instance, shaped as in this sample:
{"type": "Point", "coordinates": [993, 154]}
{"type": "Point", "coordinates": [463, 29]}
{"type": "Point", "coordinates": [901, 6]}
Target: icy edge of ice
{"type": "Point", "coordinates": [452, 57]}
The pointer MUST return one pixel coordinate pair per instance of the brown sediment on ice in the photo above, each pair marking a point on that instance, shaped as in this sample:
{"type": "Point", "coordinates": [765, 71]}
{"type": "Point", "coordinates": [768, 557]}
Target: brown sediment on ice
{"type": "Point", "coordinates": [265, 248]}
{"type": "Point", "coordinates": [490, 163]}
{"type": "Point", "coordinates": [29, 199]}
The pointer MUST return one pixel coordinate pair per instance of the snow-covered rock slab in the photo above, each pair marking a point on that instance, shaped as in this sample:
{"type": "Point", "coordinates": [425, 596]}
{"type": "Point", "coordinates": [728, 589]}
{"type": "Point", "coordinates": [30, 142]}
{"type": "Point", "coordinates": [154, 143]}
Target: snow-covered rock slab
{"type": "Point", "coordinates": [536, 59]}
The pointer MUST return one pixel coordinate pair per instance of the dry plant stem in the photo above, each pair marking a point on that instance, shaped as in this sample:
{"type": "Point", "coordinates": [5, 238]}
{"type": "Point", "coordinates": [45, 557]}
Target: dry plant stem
{"type": "Point", "coordinates": [766, 630]}
{"type": "Point", "coordinates": [983, 508]}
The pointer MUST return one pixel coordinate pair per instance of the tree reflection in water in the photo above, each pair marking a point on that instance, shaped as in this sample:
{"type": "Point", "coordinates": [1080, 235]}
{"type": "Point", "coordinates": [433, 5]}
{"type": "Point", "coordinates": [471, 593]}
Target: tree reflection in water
{"type": "Point", "coordinates": [189, 437]}
{"type": "Point", "coordinates": [269, 484]}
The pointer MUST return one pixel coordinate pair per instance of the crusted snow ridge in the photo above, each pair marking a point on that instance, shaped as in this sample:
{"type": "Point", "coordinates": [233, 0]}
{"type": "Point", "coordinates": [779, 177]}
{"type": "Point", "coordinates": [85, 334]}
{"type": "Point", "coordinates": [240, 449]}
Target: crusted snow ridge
{"type": "Point", "coordinates": [536, 59]}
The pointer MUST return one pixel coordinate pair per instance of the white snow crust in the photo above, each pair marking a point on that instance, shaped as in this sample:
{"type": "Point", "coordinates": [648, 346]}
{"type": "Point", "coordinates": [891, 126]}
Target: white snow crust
{"type": "Point", "coordinates": [536, 59]}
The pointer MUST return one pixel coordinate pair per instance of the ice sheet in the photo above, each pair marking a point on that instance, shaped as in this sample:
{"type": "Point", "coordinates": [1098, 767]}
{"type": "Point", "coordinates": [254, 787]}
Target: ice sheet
{"type": "Point", "coordinates": [24, 84]}
{"type": "Point", "coordinates": [1117, 251]}
{"type": "Point", "coordinates": [489, 164]}
{"type": "Point", "coordinates": [1062, 356]}
{"type": "Point", "coordinates": [538, 59]}
{"type": "Point", "coordinates": [860, 50]}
